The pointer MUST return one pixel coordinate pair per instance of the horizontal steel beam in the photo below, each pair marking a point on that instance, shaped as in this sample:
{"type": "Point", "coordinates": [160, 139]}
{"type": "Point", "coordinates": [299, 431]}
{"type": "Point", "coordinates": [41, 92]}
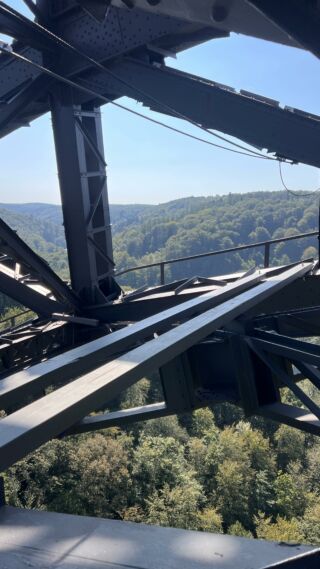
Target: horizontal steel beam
{"type": "Point", "coordinates": [288, 134]}
{"type": "Point", "coordinates": [304, 322]}
{"type": "Point", "coordinates": [100, 40]}
{"type": "Point", "coordinates": [292, 416]}
{"type": "Point", "coordinates": [236, 16]}
{"type": "Point", "coordinates": [119, 418]}
{"type": "Point", "coordinates": [28, 428]}
{"type": "Point", "coordinates": [20, 28]}
{"type": "Point", "coordinates": [13, 112]}
{"type": "Point", "coordinates": [290, 349]}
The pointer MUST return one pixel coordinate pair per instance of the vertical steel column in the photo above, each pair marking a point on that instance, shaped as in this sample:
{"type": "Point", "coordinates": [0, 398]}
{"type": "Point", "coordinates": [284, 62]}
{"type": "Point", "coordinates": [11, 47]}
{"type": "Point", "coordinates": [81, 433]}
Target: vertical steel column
{"type": "Point", "coordinates": [83, 186]}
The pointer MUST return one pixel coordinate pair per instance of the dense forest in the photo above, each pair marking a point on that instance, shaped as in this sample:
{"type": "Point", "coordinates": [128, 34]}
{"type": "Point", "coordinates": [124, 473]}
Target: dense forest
{"type": "Point", "coordinates": [213, 471]}
{"type": "Point", "coordinates": [144, 234]}
{"type": "Point", "coordinates": [197, 225]}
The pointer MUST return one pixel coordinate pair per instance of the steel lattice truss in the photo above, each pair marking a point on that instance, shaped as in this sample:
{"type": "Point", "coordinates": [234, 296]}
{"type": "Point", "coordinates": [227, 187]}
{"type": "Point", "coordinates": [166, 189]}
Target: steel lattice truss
{"type": "Point", "coordinates": [236, 338]}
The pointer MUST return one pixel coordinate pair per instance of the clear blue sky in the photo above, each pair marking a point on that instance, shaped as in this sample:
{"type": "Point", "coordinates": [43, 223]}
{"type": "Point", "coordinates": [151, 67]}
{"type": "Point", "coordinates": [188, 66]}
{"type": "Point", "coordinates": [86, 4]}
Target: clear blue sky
{"type": "Point", "coordinates": [147, 164]}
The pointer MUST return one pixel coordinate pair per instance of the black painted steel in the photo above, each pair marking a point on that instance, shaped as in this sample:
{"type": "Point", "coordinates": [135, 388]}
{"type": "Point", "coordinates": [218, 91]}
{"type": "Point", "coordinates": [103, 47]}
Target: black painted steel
{"type": "Point", "coordinates": [83, 186]}
{"type": "Point", "coordinates": [299, 19]}
{"type": "Point", "coordinates": [85, 358]}
{"type": "Point", "coordinates": [213, 106]}
{"type": "Point", "coordinates": [26, 429]}
{"type": "Point", "coordinates": [310, 560]}
{"type": "Point", "coordinates": [29, 268]}
{"type": "Point", "coordinates": [119, 418]}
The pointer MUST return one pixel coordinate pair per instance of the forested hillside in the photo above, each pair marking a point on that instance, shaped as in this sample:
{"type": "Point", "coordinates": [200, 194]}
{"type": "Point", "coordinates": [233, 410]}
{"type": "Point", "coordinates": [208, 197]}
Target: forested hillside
{"type": "Point", "coordinates": [40, 226]}
{"type": "Point", "coordinates": [144, 234]}
{"type": "Point", "coordinates": [196, 225]}
{"type": "Point", "coordinates": [213, 471]}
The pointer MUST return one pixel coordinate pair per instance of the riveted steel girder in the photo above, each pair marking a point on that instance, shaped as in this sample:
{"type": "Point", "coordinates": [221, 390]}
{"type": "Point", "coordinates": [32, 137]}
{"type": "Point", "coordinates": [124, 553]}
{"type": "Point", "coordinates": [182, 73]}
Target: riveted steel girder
{"type": "Point", "coordinates": [83, 185]}
{"type": "Point", "coordinates": [257, 120]}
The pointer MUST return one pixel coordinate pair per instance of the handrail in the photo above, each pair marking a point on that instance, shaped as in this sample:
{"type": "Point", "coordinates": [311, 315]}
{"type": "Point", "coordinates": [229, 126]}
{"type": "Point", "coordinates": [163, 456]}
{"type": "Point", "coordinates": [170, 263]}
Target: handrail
{"type": "Point", "coordinates": [265, 244]}
{"type": "Point", "coordinates": [162, 264]}
{"type": "Point", "coordinates": [12, 319]}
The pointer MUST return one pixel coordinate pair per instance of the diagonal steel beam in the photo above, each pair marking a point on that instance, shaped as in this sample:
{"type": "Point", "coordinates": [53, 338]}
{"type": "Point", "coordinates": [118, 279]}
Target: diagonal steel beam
{"type": "Point", "coordinates": [87, 357]}
{"type": "Point", "coordinates": [27, 296]}
{"type": "Point", "coordinates": [273, 362]}
{"type": "Point", "coordinates": [288, 348]}
{"type": "Point", "coordinates": [15, 25]}
{"type": "Point", "coordinates": [33, 8]}
{"type": "Point", "coordinates": [96, 8]}
{"type": "Point", "coordinates": [13, 111]}
{"type": "Point", "coordinates": [119, 418]}
{"type": "Point", "coordinates": [26, 429]}
{"type": "Point", "coordinates": [20, 252]}
{"type": "Point", "coordinates": [293, 416]}
{"type": "Point", "coordinates": [256, 120]}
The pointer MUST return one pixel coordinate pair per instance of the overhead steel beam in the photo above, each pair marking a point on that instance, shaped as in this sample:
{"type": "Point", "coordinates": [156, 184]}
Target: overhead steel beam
{"type": "Point", "coordinates": [20, 28]}
{"type": "Point", "coordinates": [236, 16]}
{"type": "Point", "coordinates": [256, 120]}
{"type": "Point", "coordinates": [247, 116]}
{"type": "Point", "coordinates": [33, 8]}
{"type": "Point", "coordinates": [122, 32]}
{"type": "Point", "coordinates": [12, 112]}
{"type": "Point", "coordinates": [26, 429]}
{"type": "Point", "coordinates": [298, 19]}
{"type": "Point", "coordinates": [96, 8]}
{"type": "Point", "coordinates": [100, 40]}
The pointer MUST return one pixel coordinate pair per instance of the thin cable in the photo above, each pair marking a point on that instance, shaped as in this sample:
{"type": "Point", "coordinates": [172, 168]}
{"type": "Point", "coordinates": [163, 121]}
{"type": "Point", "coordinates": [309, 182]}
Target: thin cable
{"type": "Point", "coordinates": [296, 193]}
{"type": "Point", "coordinates": [123, 107]}
{"type": "Point", "coordinates": [101, 67]}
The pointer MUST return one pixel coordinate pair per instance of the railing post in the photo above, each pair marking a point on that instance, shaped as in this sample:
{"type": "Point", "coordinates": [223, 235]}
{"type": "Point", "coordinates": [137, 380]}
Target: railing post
{"type": "Point", "coordinates": [265, 244]}
{"type": "Point", "coordinates": [319, 233]}
{"type": "Point", "coordinates": [162, 278]}
{"type": "Point", "coordinates": [2, 493]}
{"type": "Point", "coordinates": [266, 255]}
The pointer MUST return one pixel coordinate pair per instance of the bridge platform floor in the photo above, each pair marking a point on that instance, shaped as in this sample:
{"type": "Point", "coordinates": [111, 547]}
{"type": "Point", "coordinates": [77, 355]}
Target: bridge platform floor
{"type": "Point", "coordinates": [38, 539]}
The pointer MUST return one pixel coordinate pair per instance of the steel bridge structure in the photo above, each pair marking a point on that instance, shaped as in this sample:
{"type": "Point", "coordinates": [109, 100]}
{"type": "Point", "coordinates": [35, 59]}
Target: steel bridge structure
{"type": "Point", "coordinates": [238, 338]}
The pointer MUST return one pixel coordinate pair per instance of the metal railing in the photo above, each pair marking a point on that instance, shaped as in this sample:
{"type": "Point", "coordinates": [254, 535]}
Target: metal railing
{"type": "Point", "coordinates": [265, 244]}
{"type": "Point", "coordinates": [14, 320]}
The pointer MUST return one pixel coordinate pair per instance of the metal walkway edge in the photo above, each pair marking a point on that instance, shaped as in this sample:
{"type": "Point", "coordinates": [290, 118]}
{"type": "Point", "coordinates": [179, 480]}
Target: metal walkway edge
{"type": "Point", "coordinates": [59, 541]}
